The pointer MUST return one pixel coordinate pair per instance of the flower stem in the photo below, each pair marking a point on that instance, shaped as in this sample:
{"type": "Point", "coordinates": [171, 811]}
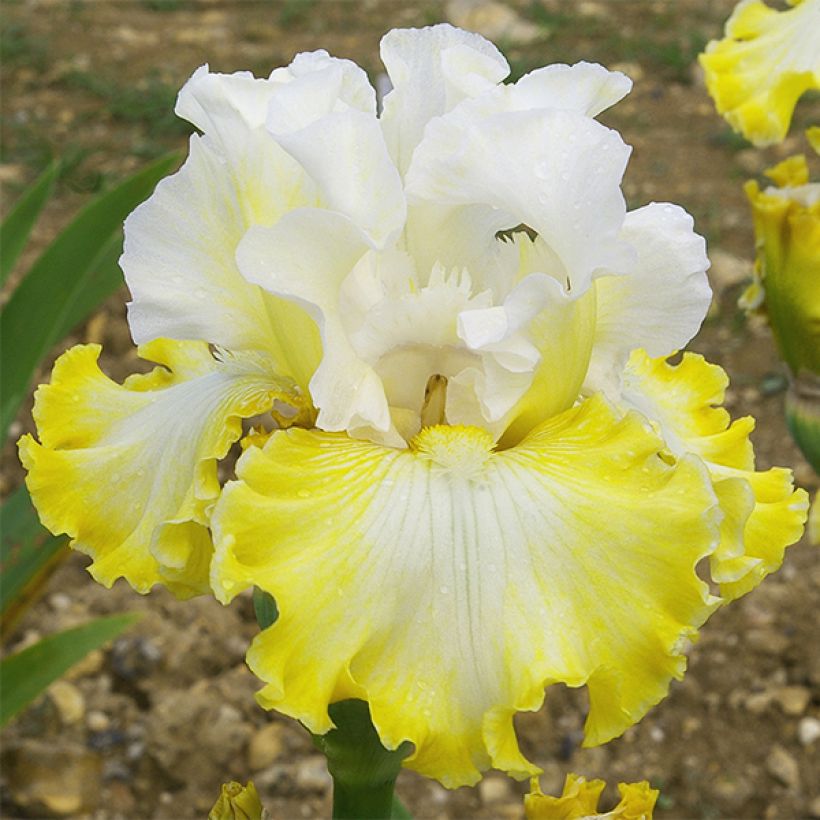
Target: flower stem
{"type": "Point", "coordinates": [363, 771]}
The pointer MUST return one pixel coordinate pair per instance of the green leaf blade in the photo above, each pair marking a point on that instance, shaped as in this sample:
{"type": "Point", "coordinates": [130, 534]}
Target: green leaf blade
{"type": "Point", "coordinates": [27, 554]}
{"type": "Point", "coordinates": [25, 675]}
{"type": "Point", "coordinates": [70, 279]}
{"type": "Point", "coordinates": [17, 226]}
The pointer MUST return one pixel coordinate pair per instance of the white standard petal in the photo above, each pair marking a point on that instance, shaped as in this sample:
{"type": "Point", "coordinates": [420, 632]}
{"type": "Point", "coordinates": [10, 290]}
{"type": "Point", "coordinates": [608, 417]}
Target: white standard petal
{"type": "Point", "coordinates": [660, 304]}
{"type": "Point", "coordinates": [558, 172]}
{"type": "Point", "coordinates": [587, 88]}
{"type": "Point", "coordinates": [344, 154]}
{"type": "Point", "coordinates": [432, 69]}
{"type": "Point", "coordinates": [304, 258]}
{"type": "Point", "coordinates": [179, 249]}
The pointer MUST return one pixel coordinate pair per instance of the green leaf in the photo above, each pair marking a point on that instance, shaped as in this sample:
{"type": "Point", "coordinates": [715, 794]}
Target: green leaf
{"type": "Point", "coordinates": [27, 554]}
{"type": "Point", "coordinates": [16, 227]}
{"type": "Point", "coordinates": [69, 280]}
{"type": "Point", "coordinates": [399, 810]}
{"type": "Point", "coordinates": [264, 607]}
{"type": "Point", "coordinates": [25, 675]}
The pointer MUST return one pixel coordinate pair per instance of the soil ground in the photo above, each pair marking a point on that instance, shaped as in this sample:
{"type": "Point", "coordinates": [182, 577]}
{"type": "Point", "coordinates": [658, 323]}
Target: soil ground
{"type": "Point", "coordinates": [166, 714]}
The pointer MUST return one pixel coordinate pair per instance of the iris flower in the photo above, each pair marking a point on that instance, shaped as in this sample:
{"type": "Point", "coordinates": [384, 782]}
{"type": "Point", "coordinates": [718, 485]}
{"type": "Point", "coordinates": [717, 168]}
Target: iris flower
{"type": "Point", "coordinates": [765, 63]}
{"type": "Point", "coordinates": [579, 801]}
{"type": "Point", "coordinates": [474, 473]}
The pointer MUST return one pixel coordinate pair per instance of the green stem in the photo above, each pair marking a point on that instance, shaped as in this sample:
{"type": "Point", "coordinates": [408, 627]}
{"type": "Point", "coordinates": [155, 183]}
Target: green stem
{"type": "Point", "coordinates": [363, 771]}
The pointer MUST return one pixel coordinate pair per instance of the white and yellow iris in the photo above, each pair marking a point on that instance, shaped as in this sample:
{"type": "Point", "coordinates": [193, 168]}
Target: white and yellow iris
{"type": "Point", "coordinates": [485, 478]}
{"type": "Point", "coordinates": [766, 62]}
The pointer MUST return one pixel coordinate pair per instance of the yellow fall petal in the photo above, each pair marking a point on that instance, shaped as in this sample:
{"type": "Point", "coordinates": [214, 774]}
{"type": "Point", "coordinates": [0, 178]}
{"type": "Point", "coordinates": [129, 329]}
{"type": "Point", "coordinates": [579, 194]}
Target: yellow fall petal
{"type": "Point", "coordinates": [449, 583]}
{"type": "Point", "coordinates": [580, 797]}
{"type": "Point", "coordinates": [129, 471]}
{"type": "Point", "coordinates": [762, 512]}
{"type": "Point", "coordinates": [765, 63]}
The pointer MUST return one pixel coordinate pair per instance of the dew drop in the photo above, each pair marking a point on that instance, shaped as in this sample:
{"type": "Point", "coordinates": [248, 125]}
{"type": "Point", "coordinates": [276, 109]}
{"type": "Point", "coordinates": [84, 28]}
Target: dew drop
{"type": "Point", "coordinates": [444, 589]}
{"type": "Point", "coordinates": [303, 494]}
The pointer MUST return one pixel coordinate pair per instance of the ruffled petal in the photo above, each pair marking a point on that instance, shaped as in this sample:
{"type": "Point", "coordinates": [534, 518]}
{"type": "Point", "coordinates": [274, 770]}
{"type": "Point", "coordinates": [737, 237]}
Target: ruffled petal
{"type": "Point", "coordinates": [180, 244]}
{"type": "Point", "coordinates": [660, 304]}
{"type": "Point", "coordinates": [767, 60]}
{"type": "Point", "coordinates": [587, 88]}
{"type": "Point", "coordinates": [325, 119]}
{"type": "Point", "coordinates": [448, 584]}
{"type": "Point", "coordinates": [579, 801]}
{"type": "Point", "coordinates": [432, 69]}
{"type": "Point", "coordinates": [763, 513]}
{"type": "Point", "coordinates": [129, 471]}
{"type": "Point", "coordinates": [558, 172]}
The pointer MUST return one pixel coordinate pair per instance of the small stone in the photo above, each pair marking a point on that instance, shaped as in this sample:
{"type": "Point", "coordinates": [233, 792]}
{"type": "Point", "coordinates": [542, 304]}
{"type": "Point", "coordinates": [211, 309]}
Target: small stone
{"type": "Point", "coordinates": [88, 666]}
{"type": "Point", "coordinates": [59, 601]}
{"type": "Point", "coordinates": [783, 767]}
{"type": "Point", "coordinates": [728, 270]}
{"type": "Point", "coordinates": [312, 774]}
{"type": "Point", "coordinates": [97, 721]}
{"type": "Point", "coordinates": [758, 703]}
{"type": "Point", "coordinates": [494, 790]}
{"type": "Point", "coordinates": [657, 734]}
{"type": "Point", "coordinates": [767, 641]}
{"type": "Point", "coordinates": [808, 730]}
{"type": "Point", "coordinates": [45, 779]}
{"type": "Point", "coordinates": [793, 700]}
{"type": "Point", "coordinates": [69, 701]}
{"type": "Point", "coordinates": [814, 807]}
{"type": "Point", "coordinates": [634, 71]}
{"type": "Point", "coordinates": [495, 20]}
{"type": "Point", "coordinates": [265, 746]}
{"type": "Point", "coordinates": [733, 793]}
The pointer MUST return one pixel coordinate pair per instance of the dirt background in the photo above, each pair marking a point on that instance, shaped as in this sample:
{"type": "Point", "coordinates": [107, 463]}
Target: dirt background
{"type": "Point", "coordinates": [151, 726]}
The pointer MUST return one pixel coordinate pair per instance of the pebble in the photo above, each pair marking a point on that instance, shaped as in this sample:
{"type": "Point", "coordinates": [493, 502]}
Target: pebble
{"type": "Point", "coordinates": [45, 779]}
{"type": "Point", "coordinates": [312, 774]}
{"type": "Point", "coordinates": [91, 664]}
{"type": "Point", "coordinates": [68, 700]}
{"type": "Point", "coordinates": [727, 269]}
{"type": "Point", "coordinates": [495, 20]}
{"type": "Point", "coordinates": [59, 601]}
{"type": "Point", "coordinates": [767, 641]}
{"type": "Point", "coordinates": [494, 790]}
{"type": "Point", "coordinates": [793, 700]}
{"type": "Point", "coordinates": [265, 746]}
{"type": "Point", "coordinates": [758, 703]}
{"type": "Point", "coordinates": [97, 721]}
{"type": "Point", "coordinates": [808, 730]}
{"type": "Point", "coordinates": [783, 767]}
{"type": "Point", "coordinates": [814, 807]}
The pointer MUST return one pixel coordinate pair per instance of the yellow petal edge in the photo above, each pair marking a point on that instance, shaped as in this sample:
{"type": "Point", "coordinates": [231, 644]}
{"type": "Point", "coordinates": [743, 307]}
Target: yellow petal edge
{"type": "Point", "coordinates": [129, 471]}
{"type": "Point", "coordinates": [762, 511]}
{"type": "Point", "coordinates": [449, 584]}
{"type": "Point", "coordinates": [765, 63]}
{"type": "Point", "coordinates": [580, 800]}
